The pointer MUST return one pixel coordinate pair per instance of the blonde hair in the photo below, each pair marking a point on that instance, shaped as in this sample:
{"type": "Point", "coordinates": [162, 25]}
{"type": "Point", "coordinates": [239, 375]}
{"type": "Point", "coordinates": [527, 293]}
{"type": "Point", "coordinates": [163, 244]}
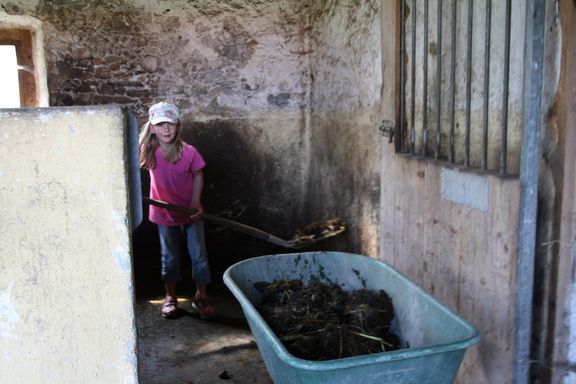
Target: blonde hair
{"type": "Point", "coordinates": [149, 143]}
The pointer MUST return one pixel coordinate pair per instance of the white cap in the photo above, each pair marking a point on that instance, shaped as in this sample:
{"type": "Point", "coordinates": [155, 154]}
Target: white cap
{"type": "Point", "coordinates": [163, 112]}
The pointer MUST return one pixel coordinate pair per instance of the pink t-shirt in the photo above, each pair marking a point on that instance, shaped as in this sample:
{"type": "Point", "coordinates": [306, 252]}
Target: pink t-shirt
{"type": "Point", "coordinates": [174, 183]}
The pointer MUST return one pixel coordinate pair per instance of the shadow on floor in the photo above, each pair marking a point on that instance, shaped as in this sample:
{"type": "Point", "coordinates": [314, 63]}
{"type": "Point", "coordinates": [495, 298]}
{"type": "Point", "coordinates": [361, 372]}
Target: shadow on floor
{"type": "Point", "coordinates": [189, 350]}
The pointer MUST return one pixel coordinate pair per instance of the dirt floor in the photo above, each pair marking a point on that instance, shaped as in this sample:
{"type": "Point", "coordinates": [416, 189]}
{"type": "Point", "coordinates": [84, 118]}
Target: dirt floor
{"type": "Point", "coordinates": [189, 350]}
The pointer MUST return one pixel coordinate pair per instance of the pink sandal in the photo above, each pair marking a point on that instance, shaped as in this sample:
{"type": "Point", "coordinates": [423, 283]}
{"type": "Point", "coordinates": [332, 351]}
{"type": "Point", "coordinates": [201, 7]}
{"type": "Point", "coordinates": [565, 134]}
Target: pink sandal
{"type": "Point", "coordinates": [203, 306]}
{"type": "Point", "coordinates": [169, 308]}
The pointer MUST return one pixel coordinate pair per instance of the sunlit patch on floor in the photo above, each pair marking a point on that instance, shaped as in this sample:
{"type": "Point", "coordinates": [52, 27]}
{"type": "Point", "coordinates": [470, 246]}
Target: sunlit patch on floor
{"type": "Point", "coordinates": [191, 350]}
{"type": "Point", "coordinates": [160, 301]}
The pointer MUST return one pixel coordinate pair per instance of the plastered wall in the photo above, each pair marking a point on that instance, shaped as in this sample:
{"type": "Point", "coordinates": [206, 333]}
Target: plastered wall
{"type": "Point", "coordinates": [345, 114]}
{"type": "Point", "coordinates": [66, 298]}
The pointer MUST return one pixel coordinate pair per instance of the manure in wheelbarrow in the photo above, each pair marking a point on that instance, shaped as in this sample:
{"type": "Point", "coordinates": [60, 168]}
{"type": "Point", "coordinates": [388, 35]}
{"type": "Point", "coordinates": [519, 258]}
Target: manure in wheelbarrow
{"type": "Point", "coordinates": [320, 321]}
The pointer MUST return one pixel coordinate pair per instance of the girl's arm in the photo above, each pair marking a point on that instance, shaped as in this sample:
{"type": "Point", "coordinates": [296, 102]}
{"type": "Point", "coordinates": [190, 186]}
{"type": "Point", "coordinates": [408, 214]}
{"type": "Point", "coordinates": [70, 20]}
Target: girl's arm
{"type": "Point", "coordinates": [197, 193]}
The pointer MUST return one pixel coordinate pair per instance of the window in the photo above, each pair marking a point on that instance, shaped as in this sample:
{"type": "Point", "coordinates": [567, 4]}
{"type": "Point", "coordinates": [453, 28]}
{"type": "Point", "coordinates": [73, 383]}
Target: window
{"type": "Point", "coordinates": [10, 91]}
{"type": "Point", "coordinates": [16, 54]}
{"type": "Point", "coordinates": [455, 102]}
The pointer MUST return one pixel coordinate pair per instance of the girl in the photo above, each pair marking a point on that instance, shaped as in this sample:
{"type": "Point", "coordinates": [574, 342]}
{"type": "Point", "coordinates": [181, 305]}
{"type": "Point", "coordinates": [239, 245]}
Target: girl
{"type": "Point", "coordinates": [176, 177]}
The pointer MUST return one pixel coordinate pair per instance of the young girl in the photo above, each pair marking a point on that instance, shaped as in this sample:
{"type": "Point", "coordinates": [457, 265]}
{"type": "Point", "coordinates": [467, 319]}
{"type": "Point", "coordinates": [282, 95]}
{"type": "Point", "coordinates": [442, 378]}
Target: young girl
{"type": "Point", "coordinates": [176, 177]}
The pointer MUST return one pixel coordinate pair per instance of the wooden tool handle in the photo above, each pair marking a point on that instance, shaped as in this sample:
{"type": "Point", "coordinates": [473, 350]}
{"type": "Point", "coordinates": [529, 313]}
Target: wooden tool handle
{"type": "Point", "coordinates": [255, 232]}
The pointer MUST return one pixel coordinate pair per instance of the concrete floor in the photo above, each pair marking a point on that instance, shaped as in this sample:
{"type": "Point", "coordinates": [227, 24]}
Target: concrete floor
{"type": "Point", "coordinates": [189, 350]}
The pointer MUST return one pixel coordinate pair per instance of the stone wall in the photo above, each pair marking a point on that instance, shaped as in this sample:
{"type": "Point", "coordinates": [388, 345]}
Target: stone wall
{"type": "Point", "coordinates": [213, 58]}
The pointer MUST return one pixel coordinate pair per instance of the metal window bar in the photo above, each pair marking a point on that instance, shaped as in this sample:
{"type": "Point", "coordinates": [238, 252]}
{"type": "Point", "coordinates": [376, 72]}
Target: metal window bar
{"type": "Point", "coordinates": [487, 30]}
{"type": "Point", "coordinates": [400, 139]}
{"type": "Point", "coordinates": [438, 84]}
{"type": "Point", "coordinates": [460, 119]}
{"type": "Point", "coordinates": [413, 82]}
{"type": "Point", "coordinates": [504, 132]}
{"type": "Point", "coordinates": [425, 83]}
{"type": "Point", "coordinates": [468, 83]}
{"type": "Point", "coordinates": [451, 156]}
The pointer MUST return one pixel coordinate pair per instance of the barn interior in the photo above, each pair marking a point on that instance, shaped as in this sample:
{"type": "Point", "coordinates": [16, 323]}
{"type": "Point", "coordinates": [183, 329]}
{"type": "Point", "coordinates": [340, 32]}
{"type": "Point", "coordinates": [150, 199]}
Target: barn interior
{"type": "Point", "coordinates": [304, 112]}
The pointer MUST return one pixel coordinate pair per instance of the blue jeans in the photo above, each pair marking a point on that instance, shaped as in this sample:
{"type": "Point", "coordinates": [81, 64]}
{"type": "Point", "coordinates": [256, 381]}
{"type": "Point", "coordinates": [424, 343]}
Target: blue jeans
{"type": "Point", "coordinates": [170, 249]}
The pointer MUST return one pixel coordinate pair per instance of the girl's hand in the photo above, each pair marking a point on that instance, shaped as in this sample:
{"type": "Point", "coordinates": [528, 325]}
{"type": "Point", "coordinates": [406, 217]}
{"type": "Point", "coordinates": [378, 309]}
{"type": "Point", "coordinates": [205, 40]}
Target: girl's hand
{"type": "Point", "coordinates": [199, 212]}
{"type": "Point", "coordinates": [196, 195]}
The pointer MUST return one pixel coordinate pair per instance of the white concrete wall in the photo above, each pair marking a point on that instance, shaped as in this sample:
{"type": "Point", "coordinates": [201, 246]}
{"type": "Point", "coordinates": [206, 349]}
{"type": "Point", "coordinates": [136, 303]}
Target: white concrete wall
{"type": "Point", "coordinates": [66, 300]}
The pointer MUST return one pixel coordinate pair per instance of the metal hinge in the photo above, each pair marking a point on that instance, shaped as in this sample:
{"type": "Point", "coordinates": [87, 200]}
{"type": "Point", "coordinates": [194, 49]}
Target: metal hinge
{"type": "Point", "coordinates": [387, 129]}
